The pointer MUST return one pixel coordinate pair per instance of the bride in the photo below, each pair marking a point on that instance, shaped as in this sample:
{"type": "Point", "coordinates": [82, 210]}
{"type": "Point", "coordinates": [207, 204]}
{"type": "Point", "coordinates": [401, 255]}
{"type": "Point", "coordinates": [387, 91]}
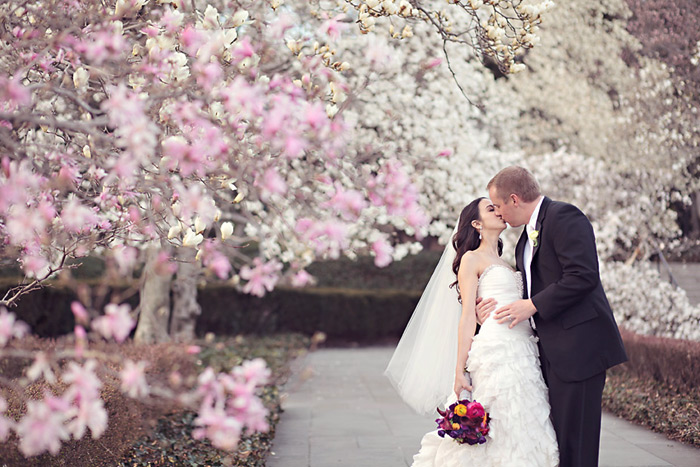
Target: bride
{"type": "Point", "coordinates": [438, 346]}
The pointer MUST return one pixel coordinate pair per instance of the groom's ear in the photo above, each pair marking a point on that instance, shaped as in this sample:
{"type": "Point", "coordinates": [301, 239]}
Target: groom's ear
{"type": "Point", "coordinates": [515, 199]}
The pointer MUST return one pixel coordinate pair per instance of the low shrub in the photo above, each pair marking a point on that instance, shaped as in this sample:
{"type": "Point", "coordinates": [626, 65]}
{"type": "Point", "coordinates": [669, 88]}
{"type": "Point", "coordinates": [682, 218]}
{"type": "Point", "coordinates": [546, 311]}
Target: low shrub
{"type": "Point", "coordinates": [342, 314]}
{"type": "Point", "coordinates": [411, 273]}
{"type": "Point", "coordinates": [674, 362]}
{"type": "Point", "coordinates": [658, 387]}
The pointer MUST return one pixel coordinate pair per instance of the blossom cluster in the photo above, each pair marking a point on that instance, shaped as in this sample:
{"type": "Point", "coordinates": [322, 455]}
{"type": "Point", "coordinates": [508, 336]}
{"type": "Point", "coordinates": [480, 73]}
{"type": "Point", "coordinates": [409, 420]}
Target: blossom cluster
{"type": "Point", "coordinates": [645, 303]}
{"type": "Point", "coordinates": [227, 403]}
{"type": "Point", "coordinates": [500, 30]}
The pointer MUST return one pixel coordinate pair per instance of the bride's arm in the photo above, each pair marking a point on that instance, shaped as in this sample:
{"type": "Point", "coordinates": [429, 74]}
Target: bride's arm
{"type": "Point", "coordinates": [468, 279]}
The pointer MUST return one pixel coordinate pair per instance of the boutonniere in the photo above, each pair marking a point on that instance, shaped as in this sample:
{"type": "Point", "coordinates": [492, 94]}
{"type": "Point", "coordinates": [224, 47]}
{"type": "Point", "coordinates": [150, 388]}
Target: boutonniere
{"type": "Point", "coordinates": [533, 236]}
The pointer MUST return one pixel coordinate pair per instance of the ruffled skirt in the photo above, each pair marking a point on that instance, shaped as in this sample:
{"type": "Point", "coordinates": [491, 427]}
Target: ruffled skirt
{"type": "Point", "coordinates": [507, 381]}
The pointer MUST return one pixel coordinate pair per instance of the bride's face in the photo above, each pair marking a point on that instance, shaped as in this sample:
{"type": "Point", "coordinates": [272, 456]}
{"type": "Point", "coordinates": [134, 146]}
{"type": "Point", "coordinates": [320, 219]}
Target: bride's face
{"type": "Point", "coordinates": [489, 219]}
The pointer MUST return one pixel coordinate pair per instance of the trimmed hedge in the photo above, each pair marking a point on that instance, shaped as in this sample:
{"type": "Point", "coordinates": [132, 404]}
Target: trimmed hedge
{"type": "Point", "coordinates": [674, 362]}
{"type": "Point", "coordinates": [47, 310]}
{"type": "Point", "coordinates": [342, 314]}
{"type": "Point", "coordinates": [658, 387]}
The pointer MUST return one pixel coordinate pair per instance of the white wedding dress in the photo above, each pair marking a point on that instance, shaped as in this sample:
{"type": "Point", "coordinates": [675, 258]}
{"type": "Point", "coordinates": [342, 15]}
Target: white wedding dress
{"type": "Point", "coordinates": [506, 378]}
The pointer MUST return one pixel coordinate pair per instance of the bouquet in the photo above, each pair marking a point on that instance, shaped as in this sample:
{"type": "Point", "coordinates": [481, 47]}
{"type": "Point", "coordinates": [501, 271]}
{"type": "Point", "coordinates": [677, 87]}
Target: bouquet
{"type": "Point", "coordinates": [464, 421]}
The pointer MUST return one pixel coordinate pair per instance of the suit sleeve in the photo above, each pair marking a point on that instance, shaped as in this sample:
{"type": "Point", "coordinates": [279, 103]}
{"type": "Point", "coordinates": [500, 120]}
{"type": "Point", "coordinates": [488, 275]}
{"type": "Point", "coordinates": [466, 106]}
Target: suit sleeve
{"type": "Point", "coordinates": [574, 248]}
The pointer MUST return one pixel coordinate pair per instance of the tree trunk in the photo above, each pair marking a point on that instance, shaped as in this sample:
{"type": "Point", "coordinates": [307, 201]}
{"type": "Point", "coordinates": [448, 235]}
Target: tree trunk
{"type": "Point", "coordinates": [155, 302]}
{"type": "Point", "coordinates": [185, 306]}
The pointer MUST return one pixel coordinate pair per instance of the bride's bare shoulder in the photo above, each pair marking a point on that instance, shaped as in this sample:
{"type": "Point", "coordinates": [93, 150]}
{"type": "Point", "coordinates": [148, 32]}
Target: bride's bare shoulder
{"type": "Point", "coordinates": [471, 263]}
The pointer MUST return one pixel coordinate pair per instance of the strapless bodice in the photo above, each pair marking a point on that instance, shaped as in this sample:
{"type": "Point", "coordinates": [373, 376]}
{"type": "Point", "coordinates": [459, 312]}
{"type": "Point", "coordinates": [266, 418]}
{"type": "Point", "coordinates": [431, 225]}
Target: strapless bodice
{"type": "Point", "coordinates": [505, 286]}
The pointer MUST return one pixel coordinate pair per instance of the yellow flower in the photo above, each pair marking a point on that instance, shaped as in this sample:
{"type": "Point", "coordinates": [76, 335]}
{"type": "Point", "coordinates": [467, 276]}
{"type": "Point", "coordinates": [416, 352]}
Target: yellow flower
{"type": "Point", "coordinates": [455, 426]}
{"type": "Point", "coordinates": [461, 410]}
{"type": "Point", "coordinates": [533, 236]}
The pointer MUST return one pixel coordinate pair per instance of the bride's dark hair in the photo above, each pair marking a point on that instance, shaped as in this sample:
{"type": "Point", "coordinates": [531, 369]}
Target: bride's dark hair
{"type": "Point", "coordinates": [467, 237]}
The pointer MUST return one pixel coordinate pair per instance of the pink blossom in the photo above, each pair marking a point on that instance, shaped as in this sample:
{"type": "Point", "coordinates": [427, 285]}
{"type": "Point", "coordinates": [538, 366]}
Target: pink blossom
{"type": "Point", "coordinates": [302, 278]}
{"type": "Point", "coordinates": [194, 202]}
{"type": "Point", "coordinates": [218, 263]}
{"type": "Point", "coordinates": [103, 45]}
{"type": "Point", "coordinates": [125, 257]}
{"type": "Point", "coordinates": [254, 415]}
{"type": "Point", "coordinates": [432, 63]}
{"type": "Point", "coordinates": [315, 116]}
{"type": "Point", "coordinates": [273, 183]}
{"type": "Point", "coordinates": [349, 203]}
{"type": "Point", "coordinates": [116, 323]}
{"type": "Point", "coordinates": [283, 23]}
{"type": "Point", "coordinates": [35, 265]}
{"type": "Point", "coordinates": [417, 218]}
{"type": "Point", "coordinates": [215, 424]}
{"type": "Point", "coordinates": [41, 429]}
{"type": "Point", "coordinates": [382, 253]}
{"type": "Point", "coordinates": [242, 50]}
{"type": "Point", "coordinates": [77, 218]}
{"type": "Point", "coordinates": [24, 224]}
{"type": "Point", "coordinates": [171, 20]}
{"type": "Point", "coordinates": [333, 27]}
{"type": "Point", "coordinates": [241, 97]}
{"type": "Point", "coordinates": [253, 371]}
{"type": "Point", "coordinates": [192, 39]}
{"type": "Point", "coordinates": [445, 153]}
{"type": "Point", "coordinates": [193, 349]}
{"type": "Point", "coordinates": [41, 367]}
{"type": "Point", "coordinates": [68, 176]}
{"type": "Point", "coordinates": [13, 94]}
{"type": "Point", "coordinates": [262, 277]}
{"type": "Point", "coordinates": [133, 378]}
{"type": "Point", "coordinates": [10, 328]}
{"type": "Point", "coordinates": [294, 146]}
{"type": "Point", "coordinates": [90, 414]}
{"type": "Point", "coordinates": [164, 264]}
{"type": "Point", "coordinates": [208, 75]}
{"type": "Point", "coordinates": [304, 225]}
{"type": "Point", "coordinates": [85, 385]}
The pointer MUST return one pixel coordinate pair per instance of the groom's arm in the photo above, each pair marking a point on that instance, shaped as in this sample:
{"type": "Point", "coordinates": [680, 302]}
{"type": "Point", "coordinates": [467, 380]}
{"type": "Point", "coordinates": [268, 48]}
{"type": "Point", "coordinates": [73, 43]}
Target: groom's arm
{"type": "Point", "coordinates": [574, 247]}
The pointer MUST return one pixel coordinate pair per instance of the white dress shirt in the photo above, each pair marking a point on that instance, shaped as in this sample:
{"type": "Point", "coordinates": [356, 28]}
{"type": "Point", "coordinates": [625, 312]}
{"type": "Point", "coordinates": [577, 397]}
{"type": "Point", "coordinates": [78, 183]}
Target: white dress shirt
{"type": "Point", "coordinates": [529, 246]}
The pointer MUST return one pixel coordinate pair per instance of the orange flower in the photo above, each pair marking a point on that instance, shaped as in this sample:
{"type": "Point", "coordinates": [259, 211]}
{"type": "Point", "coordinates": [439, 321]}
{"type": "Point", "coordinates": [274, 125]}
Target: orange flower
{"type": "Point", "coordinates": [461, 410]}
{"type": "Point", "coordinates": [455, 426]}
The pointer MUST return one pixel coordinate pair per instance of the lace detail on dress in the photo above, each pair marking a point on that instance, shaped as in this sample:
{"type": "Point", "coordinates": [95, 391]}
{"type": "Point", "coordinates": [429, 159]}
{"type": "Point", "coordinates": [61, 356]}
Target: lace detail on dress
{"type": "Point", "coordinates": [519, 280]}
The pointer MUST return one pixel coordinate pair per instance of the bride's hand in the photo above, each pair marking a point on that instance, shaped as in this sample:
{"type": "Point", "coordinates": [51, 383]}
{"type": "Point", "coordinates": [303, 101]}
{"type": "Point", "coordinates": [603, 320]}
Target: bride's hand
{"type": "Point", "coordinates": [461, 384]}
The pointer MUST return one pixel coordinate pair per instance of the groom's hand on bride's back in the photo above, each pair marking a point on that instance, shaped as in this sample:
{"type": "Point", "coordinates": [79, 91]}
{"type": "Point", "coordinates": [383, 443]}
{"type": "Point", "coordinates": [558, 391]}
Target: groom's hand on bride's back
{"type": "Point", "coordinates": [484, 308]}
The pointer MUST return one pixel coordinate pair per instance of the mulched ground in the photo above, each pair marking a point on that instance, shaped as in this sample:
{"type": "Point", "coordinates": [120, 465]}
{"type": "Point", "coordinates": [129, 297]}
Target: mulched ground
{"type": "Point", "coordinates": [141, 434]}
{"type": "Point", "coordinates": [661, 407]}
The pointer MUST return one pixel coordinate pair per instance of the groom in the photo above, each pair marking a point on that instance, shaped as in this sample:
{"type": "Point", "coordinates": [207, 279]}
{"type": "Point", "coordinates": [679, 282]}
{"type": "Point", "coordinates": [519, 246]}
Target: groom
{"type": "Point", "coordinates": [578, 336]}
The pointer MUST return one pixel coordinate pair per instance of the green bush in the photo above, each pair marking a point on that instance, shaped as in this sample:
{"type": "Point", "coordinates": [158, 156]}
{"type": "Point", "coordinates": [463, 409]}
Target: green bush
{"type": "Point", "coordinates": [343, 314]}
{"type": "Point", "coordinates": [658, 387]}
{"type": "Point", "coordinates": [411, 273]}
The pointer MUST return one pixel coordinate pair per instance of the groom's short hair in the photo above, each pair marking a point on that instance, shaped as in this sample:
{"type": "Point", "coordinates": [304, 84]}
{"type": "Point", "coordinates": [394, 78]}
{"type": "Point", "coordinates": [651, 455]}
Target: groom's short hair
{"type": "Point", "coordinates": [515, 180]}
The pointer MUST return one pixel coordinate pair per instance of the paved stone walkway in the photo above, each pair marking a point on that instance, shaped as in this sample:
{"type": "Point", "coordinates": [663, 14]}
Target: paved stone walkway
{"type": "Point", "coordinates": [341, 411]}
{"type": "Point", "coordinates": [688, 277]}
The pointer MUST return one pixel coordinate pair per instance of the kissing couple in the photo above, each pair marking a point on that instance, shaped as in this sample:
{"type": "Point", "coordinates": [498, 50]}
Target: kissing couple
{"type": "Point", "coordinates": [546, 337]}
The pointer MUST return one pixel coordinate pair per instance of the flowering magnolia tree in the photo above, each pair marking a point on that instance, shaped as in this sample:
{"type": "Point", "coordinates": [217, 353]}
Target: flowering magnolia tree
{"type": "Point", "coordinates": [177, 132]}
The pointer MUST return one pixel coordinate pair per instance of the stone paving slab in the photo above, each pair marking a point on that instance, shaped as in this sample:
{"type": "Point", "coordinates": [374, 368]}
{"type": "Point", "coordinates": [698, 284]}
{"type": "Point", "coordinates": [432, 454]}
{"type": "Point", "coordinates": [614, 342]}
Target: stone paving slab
{"type": "Point", "coordinates": [341, 411]}
{"type": "Point", "coordinates": [687, 275]}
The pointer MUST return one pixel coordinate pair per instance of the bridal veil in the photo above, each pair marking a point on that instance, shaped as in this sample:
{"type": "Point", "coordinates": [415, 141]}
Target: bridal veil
{"type": "Point", "coordinates": [422, 368]}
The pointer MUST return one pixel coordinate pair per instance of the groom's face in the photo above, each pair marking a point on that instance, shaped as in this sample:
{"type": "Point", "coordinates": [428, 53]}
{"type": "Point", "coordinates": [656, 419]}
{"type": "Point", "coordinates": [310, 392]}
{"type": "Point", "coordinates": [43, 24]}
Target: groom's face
{"type": "Point", "coordinates": [505, 208]}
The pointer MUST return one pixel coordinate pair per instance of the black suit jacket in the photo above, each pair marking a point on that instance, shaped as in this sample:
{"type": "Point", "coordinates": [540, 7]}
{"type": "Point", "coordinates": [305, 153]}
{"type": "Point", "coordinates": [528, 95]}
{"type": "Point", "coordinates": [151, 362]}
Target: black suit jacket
{"type": "Point", "coordinates": [575, 324]}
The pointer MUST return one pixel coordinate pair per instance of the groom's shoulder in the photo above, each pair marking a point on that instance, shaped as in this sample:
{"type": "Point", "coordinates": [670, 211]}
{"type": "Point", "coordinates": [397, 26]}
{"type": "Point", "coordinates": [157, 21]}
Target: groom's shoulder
{"type": "Point", "coordinates": [564, 208]}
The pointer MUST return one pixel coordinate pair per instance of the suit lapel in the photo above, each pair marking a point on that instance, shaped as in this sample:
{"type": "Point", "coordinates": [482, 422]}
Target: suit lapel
{"type": "Point", "coordinates": [538, 225]}
{"type": "Point", "coordinates": [519, 249]}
